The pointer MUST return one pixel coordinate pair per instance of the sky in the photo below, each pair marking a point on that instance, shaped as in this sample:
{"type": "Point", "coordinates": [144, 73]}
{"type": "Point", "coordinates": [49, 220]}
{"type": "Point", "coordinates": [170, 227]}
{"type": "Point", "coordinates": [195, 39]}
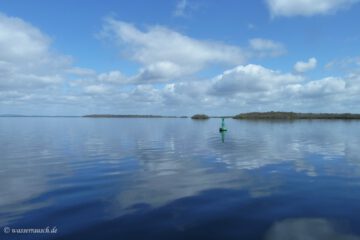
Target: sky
{"type": "Point", "coordinates": [179, 57]}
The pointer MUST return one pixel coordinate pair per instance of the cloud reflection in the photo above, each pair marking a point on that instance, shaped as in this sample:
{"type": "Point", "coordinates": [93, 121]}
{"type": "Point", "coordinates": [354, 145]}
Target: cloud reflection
{"type": "Point", "coordinates": [307, 229]}
{"type": "Point", "coordinates": [182, 162]}
{"type": "Point", "coordinates": [156, 161]}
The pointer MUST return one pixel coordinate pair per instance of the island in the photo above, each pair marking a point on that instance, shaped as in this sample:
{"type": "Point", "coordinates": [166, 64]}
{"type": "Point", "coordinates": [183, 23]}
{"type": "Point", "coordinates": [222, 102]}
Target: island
{"type": "Point", "coordinates": [200, 117]}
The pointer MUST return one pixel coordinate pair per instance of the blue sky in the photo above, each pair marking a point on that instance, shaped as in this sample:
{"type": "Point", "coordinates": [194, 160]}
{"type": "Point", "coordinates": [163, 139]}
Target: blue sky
{"type": "Point", "coordinates": [179, 57]}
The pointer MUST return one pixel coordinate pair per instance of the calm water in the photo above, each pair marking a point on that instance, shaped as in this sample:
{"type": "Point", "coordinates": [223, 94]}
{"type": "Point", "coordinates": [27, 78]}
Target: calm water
{"type": "Point", "coordinates": [179, 179]}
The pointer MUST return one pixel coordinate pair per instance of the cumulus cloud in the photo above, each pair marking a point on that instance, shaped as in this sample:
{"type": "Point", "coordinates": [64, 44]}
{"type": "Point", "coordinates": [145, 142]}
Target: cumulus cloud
{"type": "Point", "coordinates": [21, 42]}
{"type": "Point", "coordinates": [256, 88]}
{"type": "Point", "coordinates": [243, 88]}
{"type": "Point", "coordinates": [158, 72]}
{"type": "Point", "coordinates": [266, 47]}
{"type": "Point", "coordinates": [26, 59]}
{"type": "Point", "coordinates": [306, 7]}
{"type": "Point", "coordinates": [302, 67]}
{"type": "Point", "coordinates": [145, 94]}
{"type": "Point", "coordinates": [321, 88]}
{"type": "Point", "coordinates": [328, 85]}
{"type": "Point", "coordinates": [187, 94]}
{"type": "Point", "coordinates": [166, 80]}
{"type": "Point", "coordinates": [34, 78]}
{"type": "Point", "coordinates": [167, 53]}
{"type": "Point", "coordinates": [251, 78]}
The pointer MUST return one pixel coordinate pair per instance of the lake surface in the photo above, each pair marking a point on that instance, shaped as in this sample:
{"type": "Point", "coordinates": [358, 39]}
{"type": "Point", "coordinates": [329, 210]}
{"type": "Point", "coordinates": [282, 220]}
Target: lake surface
{"type": "Point", "coordinates": [179, 179]}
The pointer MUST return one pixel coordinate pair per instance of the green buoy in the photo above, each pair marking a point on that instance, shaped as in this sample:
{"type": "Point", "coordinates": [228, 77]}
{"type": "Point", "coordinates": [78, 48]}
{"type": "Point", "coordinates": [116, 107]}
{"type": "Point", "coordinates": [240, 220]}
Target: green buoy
{"type": "Point", "coordinates": [222, 128]}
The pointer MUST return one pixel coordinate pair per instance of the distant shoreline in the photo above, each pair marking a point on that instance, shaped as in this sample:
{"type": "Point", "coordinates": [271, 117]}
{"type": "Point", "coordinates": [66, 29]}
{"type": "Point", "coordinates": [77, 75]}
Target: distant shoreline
{"type": "Point", "coordinates": [296, 116]}
{"type": "Point", "coordinates": [129, 116]}
{"type": "Point", "coordinates": [35, 116]}
{"type": "Point", "coordinates": [248, 116]}
{"type": "Point", "coordinates": [242, 116]}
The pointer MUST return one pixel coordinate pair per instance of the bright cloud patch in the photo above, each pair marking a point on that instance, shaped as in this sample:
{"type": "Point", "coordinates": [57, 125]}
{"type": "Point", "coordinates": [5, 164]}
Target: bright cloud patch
{"type": "Point", "coordinates": [20, 42]}
{"type": "Point", "coordinates": [302, 67]}
{"type": "Point", "coordinates": [167, 53]}
{"type": "Point", "coordinates": [251, 78]}
{"type": "Point", "coordinates": [158, 72]}
{"type": "Point", "coordinates": [254, 87]}
{"type": "Point", "coordinates": [329, 86]}
{"type": "Point", "coordinates": [26, 60]}
{"type": "Point", "coordinates": [306, 7]}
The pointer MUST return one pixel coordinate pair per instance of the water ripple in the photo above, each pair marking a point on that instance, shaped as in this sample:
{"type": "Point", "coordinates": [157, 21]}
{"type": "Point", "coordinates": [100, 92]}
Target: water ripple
{"type": "Point", "coordinates": [66, 170]}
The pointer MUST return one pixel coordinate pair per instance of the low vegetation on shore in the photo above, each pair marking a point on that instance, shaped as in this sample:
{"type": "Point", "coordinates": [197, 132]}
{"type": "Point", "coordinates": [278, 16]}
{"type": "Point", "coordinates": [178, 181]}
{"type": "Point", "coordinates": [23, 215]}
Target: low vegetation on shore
{"type": "Point", "coordinates": [293, 115]}
{"type": "Point", "coordinates": [200, 117]}
{"type": "Point", "coordinates": [245, 116]}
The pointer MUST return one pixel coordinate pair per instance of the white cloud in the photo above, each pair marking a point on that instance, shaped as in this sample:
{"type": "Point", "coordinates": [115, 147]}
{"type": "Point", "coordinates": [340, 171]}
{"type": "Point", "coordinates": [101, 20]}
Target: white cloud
{"type": "Point", "coordinates": [186, 94]}
{"type": "Point", "coordinates": [26, 59]}
{"type": "Point", "coordinates": [302, 67]}
{"type": "Point", "coordinates": [163, 51]}
{"type": "Point", "coordinates": [306, 7]}
{"type": "Point", "coordinates": [167, 55]}
{"type": "Point", "coordinates": [329, 85]}
{"type": "Point", "coordinates": [249, 87]}
{"type": "Point", "coordinates": [115, 77]}
{"type": "Point", "coordinates": [321, 88]}
{"type": "Point", "coordinates": [96, 89]}
{"type": "Point", "coordinates": [158, 72]}
{"type": "Point", "coordinates": [256, 88]}
{"type": "Point", "coordinates": [266, 47]}
{"type": "Point", "coordinates": [38, 78]}
{"type": "Point", "coordinates": [35, 79]}
{"type": "Point", "coordinates": [21, 42]}
{"type": "Point", "coordinates": [251, 78]}
{"type": "Point", "coordinates": [145, 94]}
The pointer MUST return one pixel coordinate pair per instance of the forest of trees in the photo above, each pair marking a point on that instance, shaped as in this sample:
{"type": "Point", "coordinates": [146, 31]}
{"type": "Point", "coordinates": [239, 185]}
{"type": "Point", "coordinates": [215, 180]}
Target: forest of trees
{"type": "Point", "coordinates": [293, 115]}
